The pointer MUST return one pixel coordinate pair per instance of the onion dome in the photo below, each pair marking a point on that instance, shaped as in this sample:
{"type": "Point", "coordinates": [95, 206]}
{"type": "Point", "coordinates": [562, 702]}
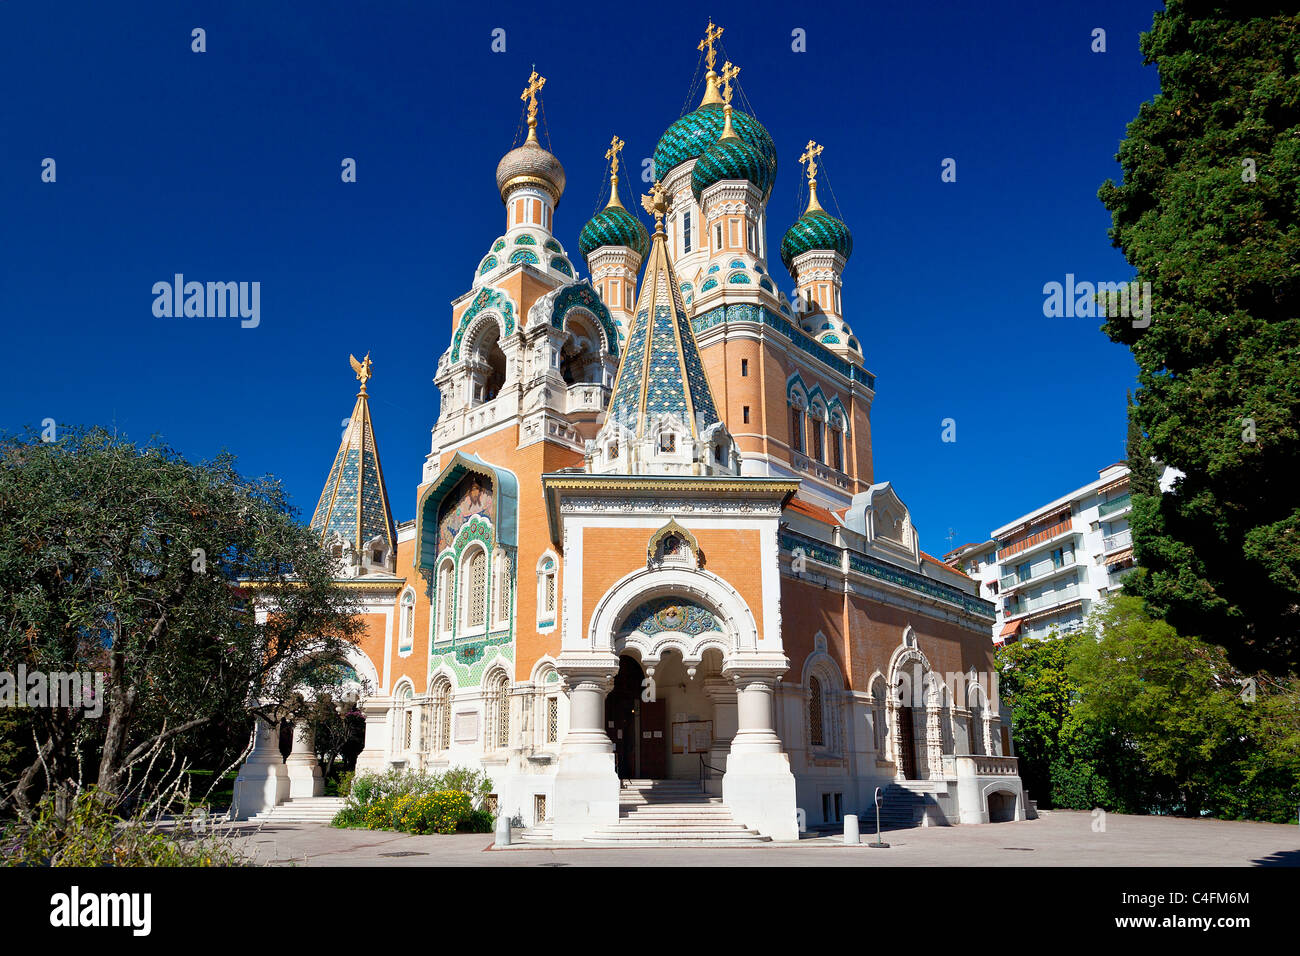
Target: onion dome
{"type": "Point", "coordinates": [530, 164]}
{"type": "Point", "coordinates": [816, 228]}
{"type": "Point", "coordinates": [614, 225]}
{"type": "Point", "coordinates": [732, 157]}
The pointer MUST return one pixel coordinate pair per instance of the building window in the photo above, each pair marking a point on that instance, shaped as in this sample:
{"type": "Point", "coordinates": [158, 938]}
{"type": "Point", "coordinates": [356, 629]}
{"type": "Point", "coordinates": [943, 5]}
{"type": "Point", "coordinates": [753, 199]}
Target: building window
{"type": "Point", "coordinates": [547, 591]}
{"type": "Point", "coordinates": [796, 428]}
{"type": "Point", "coordinates": [445, 597]}
{"type": "Point", "coordinates": [818, 431]}
{"type": "Point", "coordinates": [745, 414]}
{"type": "Point", "coordinates": [441, 695]}
{"type": "Point", "coordinates": [816, 730]}
{"type": "Point", "coordinates": [752, 241]}
{"type": "Point", "coordinates": [475, 589]}
{"type": "Point", "coordinates": [686, 231]}
{"type": "Point", "coordinates": [837, 446]}
{"type": "Point", "coordinates": [552, 719]}
{"type": "Point", "coordinates": [744, 368]}
{"type": "Point", "coordinates": [501, 588]}
{"type": "Point", "coordinates": [718, 235]}
{"type": "Point", "coordinates": [497, 710]}
{"type": "Point", "coordinates": [407, 623]}
{"type": "Point", "coordinates": [539, 807]}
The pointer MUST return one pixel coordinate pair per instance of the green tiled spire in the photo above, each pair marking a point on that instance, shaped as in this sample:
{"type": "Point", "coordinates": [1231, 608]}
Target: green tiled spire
{"type": "Point", "coordinates": [354, 503]}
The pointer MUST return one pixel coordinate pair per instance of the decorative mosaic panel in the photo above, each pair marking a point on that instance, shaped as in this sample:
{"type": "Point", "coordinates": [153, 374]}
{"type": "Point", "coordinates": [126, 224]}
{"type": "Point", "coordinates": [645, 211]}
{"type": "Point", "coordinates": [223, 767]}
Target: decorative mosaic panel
{"type": "Point", "coordinates": [830, 340]}
{"type": "Point", "coordinates": [525, 240]}
{"type": "Point", "coordinates": [553, 246]}
{"type": "Point", "coordinates": [525, 255]}
{"type": "Point", "coordinates": [488, 265]}
{"type": "Point", "coordinates": [739, 278]}
{"type": "Point", "coordinates": [626, 403]}
{"type": "Point", "coordinates": [498, 245]}
{"type": "Point", "coordinates": [766, 284]}
{"type": "Point", "coordinates": [582, 295]}
{"type": "Point", "coordinates": [560, 264]}
{"type": "Point", "coordinates": [709, 284]}
{"type": "Point", "coordinates": [472, 498]}
{"type": "Point", "coordinates": [670, 614]}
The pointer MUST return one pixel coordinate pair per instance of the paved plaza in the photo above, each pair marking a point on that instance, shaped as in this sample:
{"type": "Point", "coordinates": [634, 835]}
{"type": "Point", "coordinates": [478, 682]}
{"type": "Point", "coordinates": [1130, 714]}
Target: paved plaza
{"type": "Point", "coordinates": [1059, 838]}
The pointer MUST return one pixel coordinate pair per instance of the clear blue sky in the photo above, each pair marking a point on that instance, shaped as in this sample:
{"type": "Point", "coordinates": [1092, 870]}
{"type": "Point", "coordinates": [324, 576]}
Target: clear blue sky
{"type": "Point", "coordinates": [225, 166]}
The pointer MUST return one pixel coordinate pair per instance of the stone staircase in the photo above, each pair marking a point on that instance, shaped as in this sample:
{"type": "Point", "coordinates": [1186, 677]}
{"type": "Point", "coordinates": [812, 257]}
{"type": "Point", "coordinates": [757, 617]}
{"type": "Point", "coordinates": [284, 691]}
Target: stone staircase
{"type": "Point", "coordinates": [903, 807]}
{"type": "Point", "coordinates": [301, 810]}
{"type": "Point", "coordinates": [664, 813]}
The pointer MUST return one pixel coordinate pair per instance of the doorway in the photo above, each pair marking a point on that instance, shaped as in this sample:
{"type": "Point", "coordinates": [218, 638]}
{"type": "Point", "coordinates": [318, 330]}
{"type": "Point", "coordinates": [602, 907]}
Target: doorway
{"type": "Point", "coordinates": [637, 728]}
{"type": "Point", "coordinates": [907, 743]}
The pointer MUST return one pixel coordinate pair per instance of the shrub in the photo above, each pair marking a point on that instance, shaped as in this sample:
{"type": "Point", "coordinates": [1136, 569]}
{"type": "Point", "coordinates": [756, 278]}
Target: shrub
{"type": "Point", "coordinates": [416, 802]}
{"type": "Point", "coordinates": [478, 821]}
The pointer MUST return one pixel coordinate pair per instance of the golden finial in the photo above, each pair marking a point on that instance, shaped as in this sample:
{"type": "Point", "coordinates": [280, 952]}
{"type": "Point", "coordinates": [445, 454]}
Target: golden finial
{"type": "Point", "coordinates": [656, 203]}
{"type": "Point", "coordinates": [711, 36]}
{"type": "Point", "coordinates": [809, 160]}
{"type": "Point", "coordinates": [615, 147]}
{"type": "Point", "coordinates": [535, 84]}
{"type": "Point", "coordinates": [728, 74]}
{"type": "Point", "coordinates": [362, 369]}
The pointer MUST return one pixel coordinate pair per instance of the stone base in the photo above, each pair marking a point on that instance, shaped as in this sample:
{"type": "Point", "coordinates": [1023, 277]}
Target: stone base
{"type": "Point", "coordinates": [759, 789]}
{"type": "Point", "coordinates": [305, 778]}
{"type": "Point", "coordinates": [586, 794]}
{"type": "Point", "coordinates": [258, 788]}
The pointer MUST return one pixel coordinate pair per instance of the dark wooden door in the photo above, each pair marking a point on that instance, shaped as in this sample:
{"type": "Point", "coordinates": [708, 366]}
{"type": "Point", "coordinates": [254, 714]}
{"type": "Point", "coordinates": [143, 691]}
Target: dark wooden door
{"type": "Point", "coordinates": [907, 743]}
{"type": "Point", "coordinates": [654, 739]}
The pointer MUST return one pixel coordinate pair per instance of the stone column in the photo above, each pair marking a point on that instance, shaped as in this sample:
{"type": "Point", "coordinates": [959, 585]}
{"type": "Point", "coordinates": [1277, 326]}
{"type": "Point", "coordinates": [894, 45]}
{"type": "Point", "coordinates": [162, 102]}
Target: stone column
{"type": "Point", "coordinates": [933, 741]}
{"type": "Point", "coordinates": [758, 786]}
{"type": "Point", "coordinates": [723, 695]}
{"type": "Point", "coordinates": [586, 782]}
{"type": "Point", "coordinates": [305, 777]}
{"type": "Point", "coordinates": [262, 781]}
{"type": "Point", "coordinates": [374, 756]}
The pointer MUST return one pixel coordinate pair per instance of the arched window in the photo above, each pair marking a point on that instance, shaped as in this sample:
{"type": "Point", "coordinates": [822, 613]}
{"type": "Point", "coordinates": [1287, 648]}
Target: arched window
{"type": "Point", "coordinates": [441, 696]}
{"type": "Point", "coordinates": [497, 707]}
{"type": "Point", "coordinates": [548, 597]}
{"type": "Point", "coordinates": [445, 598]}
{"type": "Point", "coordinates": [406, 623]}
{"type": "Point", "coordinates": [817, 427]}
{"type": "Point", "coordinates": [837, 444]}
{"type": "Point", "coordinates": [816, 723]}
{"type": "Point", "coordinates": [796, 427]}
{"type": "Point", "coordinates": [500, 587]}
{"type": "Point", "coordinates": [406, 720]}
{"type": "Point", "coordinates": [474, 588]}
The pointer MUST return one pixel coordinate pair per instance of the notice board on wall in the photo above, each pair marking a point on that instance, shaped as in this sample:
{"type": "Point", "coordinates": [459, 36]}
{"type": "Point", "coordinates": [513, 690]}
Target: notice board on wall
{"type": "Point", "coordinates": [692, 736]}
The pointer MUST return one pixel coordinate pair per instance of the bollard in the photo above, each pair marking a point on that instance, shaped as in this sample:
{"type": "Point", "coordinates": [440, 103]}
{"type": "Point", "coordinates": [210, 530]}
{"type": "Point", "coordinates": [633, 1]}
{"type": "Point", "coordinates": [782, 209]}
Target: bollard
{"type": "Point", "coordinates": [503, 831]}
{"type": "Point", "coordinates": [851, 835]}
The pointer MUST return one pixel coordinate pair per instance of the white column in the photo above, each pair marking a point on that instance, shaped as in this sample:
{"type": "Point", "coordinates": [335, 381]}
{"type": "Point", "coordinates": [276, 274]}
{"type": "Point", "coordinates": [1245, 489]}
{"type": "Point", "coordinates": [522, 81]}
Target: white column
{"type": "Point", "coordinates": [586, 783]}
{"type": "Point", "coordinates": [302, 768]}
{"type": "Point", "coordinates": [933, 741]}
{"type": "Point", "coordinates": [758, 786]}
{"type": "Point", "coordinates": [262, 781]}
{"type": "Point", "coordinates": [725, 723]}
{"type": "Point", "coordinates": [374, 756]}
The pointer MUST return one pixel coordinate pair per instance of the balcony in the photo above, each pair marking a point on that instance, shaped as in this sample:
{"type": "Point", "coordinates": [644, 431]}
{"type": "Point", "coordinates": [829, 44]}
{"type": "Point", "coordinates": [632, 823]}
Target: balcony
{"type": "Point", "coordinates": [1108, 509]}
{"type": "Point", "coordinates": [1050, 599]}
{"type": "Point", "coordinates": [1012, 581]}
{"type": "Point", "coordinates": [1114, 542]}
{"type": "Point", "coordinates": [1037, 539]}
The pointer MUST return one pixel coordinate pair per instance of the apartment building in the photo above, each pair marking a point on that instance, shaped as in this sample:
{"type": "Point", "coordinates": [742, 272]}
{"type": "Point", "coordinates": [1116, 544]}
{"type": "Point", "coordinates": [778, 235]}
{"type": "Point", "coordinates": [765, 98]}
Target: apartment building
{"type": "Point", "coordinates": [1045, 570]}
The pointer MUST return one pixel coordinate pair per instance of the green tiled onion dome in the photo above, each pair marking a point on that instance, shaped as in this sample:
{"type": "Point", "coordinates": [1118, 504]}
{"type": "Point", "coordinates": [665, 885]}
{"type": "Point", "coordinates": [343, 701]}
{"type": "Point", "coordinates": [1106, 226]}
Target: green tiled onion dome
{"type": "Point", "coordinates": [815, 229]}
{"type": "Point", "coordinates": [732, 158]}
{"type": "Point", "coordinates": [614, 226]}
{"type": "Point", "coordinates": [695, 132]}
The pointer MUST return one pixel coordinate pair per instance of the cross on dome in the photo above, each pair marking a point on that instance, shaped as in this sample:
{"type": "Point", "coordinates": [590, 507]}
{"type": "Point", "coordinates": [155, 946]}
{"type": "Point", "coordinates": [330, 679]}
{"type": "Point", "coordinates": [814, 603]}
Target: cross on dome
{"type": "Point", "coordinates": [535, 84]}
{"type": "Point", "coordinates": [809, 161]}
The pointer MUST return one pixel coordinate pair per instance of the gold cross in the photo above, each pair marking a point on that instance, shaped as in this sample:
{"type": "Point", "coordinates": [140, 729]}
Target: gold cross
{"type": "Point", "coordinates": [728, 74]}
{"type": "Point", "coordinates": [535, 84]}
{"type": "Point", "coordinates": [710, 36]}
{"type": "Point", "coordinates": [615, 147]}
{"type": "Point", "coordinates": [656, 203]}
{"type": "Point", "coordinates": [809, 159]}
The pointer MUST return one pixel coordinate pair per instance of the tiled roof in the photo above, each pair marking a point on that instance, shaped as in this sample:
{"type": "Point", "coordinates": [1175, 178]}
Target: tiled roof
{"type": "Point", "coordinates": [354, 502]}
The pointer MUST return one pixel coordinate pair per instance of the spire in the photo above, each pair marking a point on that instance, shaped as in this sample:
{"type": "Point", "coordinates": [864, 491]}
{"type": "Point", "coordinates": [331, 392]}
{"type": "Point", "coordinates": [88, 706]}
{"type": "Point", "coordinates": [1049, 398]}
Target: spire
{"type": "Point", "coordinates": [661, 377]}
{"type": "Point", "coordinates": [535, 84]}
{"type": "Point", "coordinates": [615, 147]}
{"type": "Point", "coordinates": [711, 35]}
{"type": "Point", "coordinates": [809, 161]}
{"type": "Point", "coordinates": [354, 504]}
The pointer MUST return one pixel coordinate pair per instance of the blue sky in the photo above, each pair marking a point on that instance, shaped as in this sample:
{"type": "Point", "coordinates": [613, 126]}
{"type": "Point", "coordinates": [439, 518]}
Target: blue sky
{"type": "Point", "coordinates": [225, 165]}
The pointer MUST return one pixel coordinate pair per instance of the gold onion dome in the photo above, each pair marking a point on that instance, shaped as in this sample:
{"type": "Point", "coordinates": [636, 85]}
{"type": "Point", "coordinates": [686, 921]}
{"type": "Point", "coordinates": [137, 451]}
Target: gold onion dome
{"type": "Point", "coordinates": [530, 164]}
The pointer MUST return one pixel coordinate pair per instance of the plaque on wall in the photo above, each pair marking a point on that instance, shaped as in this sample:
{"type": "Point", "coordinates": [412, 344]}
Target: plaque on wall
{"type": "Point", "coordinates": [466, 727]}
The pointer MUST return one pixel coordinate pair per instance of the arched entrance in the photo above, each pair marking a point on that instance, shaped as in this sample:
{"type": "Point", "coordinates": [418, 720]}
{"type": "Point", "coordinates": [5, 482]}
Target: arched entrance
{"type": "Point", "coordinates": [637, 727]}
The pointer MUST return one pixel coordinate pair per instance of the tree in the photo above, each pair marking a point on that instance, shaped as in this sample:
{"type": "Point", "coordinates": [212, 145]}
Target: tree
{"type": "Point", "coordinates": [134, 562]}
{"type": "Point", "coordinates": [1209, 214]}
{"type": "Point", "coordinates": [1033, 682]}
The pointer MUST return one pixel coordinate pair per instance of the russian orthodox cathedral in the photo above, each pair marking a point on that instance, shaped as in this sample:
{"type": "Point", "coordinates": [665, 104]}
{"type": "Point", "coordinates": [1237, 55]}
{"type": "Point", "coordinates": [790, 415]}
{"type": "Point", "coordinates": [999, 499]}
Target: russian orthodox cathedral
{"type": "Point", "coordinates": [651, 563]}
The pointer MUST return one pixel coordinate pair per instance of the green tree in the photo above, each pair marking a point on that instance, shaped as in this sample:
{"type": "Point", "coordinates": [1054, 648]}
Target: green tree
{"type": "Point", "coordinates": [1033, 683]}
{"type": "Point", "coordinates": [1209, 214]}
{"type": "Point", "coordinates": [134, 562]}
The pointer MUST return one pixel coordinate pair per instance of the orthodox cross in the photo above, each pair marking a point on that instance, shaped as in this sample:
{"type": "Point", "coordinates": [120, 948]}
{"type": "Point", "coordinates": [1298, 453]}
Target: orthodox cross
{"type": "Point", "coordinates": [710, 37]}
{"type": "Point", "coordinates": [615, 147]}
{"type": "Point", "coordinates": [535, 84]}
{"type": "Point", "coordinates": [728, 74]}
{"type": "Point", "coordinates": [809, 159]}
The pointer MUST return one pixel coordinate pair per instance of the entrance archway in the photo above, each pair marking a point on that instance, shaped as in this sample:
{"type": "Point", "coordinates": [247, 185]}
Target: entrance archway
{"type": "Point", "coordinates": [637, 727]}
